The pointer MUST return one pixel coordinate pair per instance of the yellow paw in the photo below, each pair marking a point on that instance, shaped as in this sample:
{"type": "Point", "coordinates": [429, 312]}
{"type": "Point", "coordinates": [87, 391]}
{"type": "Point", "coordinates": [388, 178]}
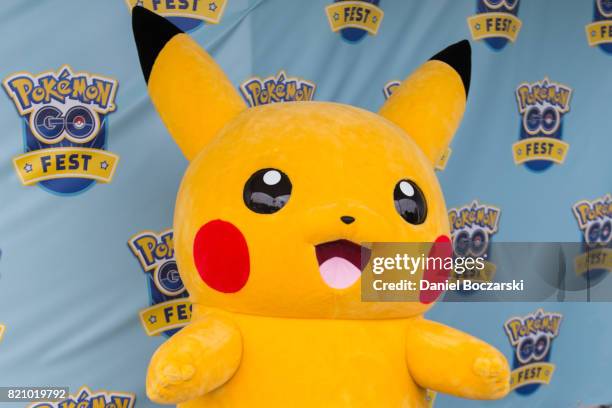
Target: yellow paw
{"type": "Point", "coordinates": [494, 371]}
{"type": "Point", "coordinates": [166, 383]}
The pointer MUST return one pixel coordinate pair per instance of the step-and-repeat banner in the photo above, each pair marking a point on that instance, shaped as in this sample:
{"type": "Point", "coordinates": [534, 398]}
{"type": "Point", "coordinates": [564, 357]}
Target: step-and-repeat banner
{"type": "Point", "coordinates": [88, 174]}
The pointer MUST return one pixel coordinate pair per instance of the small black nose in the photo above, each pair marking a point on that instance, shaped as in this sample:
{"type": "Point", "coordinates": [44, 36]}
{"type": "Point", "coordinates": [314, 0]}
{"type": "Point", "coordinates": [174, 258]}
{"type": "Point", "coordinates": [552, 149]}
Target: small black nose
{"type": "Point", "coordinates": [347, 219]}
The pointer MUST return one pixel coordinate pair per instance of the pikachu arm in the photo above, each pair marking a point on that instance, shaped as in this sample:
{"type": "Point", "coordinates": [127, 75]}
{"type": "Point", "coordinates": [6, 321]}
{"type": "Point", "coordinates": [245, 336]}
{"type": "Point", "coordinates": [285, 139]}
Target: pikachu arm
{"type": "Point", "coordinates": [446, 360]}
{"type": "Point", "coordinates": [198, 359]}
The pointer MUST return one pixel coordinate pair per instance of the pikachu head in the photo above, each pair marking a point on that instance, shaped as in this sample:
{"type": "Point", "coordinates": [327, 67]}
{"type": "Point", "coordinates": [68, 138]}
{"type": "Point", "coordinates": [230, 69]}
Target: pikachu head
{"type": "Point", "coordinates": [273, 211]}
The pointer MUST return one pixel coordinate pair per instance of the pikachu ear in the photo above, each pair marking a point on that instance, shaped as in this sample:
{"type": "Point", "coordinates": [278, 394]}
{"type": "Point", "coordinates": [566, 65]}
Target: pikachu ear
{"type": "Point", "coordinates": [190, 91]}
{"type": "Point", "coordinates": [429, 104]}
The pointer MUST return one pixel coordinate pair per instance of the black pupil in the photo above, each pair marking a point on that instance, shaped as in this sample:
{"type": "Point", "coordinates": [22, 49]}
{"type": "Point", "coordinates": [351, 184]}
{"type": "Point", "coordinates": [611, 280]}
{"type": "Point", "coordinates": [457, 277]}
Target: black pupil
{"type": "Point", "coordinates": [267, 191]}
{"type": "Point", "coordinates": [410, 206]}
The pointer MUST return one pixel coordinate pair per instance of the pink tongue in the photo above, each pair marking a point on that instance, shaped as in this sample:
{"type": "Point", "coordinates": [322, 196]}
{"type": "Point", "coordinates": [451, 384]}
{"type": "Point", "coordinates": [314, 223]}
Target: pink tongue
{"type": "Point", "coordinates": [339, 273]}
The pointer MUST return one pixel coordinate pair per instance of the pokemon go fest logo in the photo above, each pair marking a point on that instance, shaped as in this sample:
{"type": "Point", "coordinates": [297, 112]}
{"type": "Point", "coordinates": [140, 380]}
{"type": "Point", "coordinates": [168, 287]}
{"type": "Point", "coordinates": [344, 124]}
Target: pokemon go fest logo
{"type": "Point", "coordinates": [532, 337]}
{"type": "Point", "coordinates": [170, 310]}
{"type": "Point", "coordinates": [599, 32]}
{"type": "Point", "coordinates": [354, 19]}
{"type": "Point", "coordinates": [496, 22]}
{"type": "Point", "coordinates": [280, 88]}
{"type": "Point", "coordinates": [595, 221]}
{"type": "Point", "coordinates": [388, 91]}
{"type": "Point", "coordinates": [542, 105]}
{"type": "Point", "coordinates": [187, 15]}
{"type": "Point", "coordinates": [85, 398]}
{"type": "Point", "coordinates": [65, 128]}
{"type": "Point", "coordinates": [472, 227]}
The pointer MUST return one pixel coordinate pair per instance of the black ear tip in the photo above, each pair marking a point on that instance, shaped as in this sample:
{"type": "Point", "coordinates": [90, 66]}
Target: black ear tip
{"type": "Point", "coordinates": [138, 11]}
{"type": "Point", "coordinates": [151, 33]}
{"type": "Point", "coordinates": [458, 56]}
{"type": "Point", "coordinates": [144, 20]}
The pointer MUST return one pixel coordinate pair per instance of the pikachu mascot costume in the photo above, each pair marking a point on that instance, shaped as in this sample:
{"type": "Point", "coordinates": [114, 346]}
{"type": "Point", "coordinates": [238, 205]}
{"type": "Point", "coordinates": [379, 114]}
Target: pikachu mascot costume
{"type": "Point", "coordinates": [268, 221]}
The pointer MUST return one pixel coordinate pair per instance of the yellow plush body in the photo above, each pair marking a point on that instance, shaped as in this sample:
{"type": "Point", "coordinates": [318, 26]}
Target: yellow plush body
{"type": "Point", "coordinates": [330, 363]}
{"type": "Point", "coordinates": [286, 336]}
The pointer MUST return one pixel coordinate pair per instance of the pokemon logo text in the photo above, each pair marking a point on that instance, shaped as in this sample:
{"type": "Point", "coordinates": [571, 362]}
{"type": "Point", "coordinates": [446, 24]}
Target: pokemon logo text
{"type": "Point", "coordinates": [280, 88]}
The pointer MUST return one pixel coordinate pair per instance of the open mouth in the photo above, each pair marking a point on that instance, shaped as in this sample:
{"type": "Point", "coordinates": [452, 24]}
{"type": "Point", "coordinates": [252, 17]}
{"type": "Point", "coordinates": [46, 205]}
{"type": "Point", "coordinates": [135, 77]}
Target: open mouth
{"type": "Point", "coordinates": [341, 262]}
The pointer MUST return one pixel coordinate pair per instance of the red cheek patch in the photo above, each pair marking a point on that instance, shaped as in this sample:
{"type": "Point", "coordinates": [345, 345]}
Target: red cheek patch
{"type": "Point", "coordinates": [221, 256]}
{"type": "Point", "coordinates": [442, 248]}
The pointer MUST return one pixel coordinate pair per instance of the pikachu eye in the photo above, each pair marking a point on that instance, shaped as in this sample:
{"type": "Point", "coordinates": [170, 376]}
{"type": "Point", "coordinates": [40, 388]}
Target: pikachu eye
{"type": "Point", "coordinates": [410, 202]}
{"type": "Point", "coordinates": [267, 191]}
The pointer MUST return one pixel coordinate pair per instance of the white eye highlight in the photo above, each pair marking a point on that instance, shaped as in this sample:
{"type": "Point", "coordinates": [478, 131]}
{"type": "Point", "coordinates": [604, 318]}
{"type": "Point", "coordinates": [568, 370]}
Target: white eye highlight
{"type": "Point", "coordinates": [272, 177]}
{"type": "Point", "coordinates": [406, 188]}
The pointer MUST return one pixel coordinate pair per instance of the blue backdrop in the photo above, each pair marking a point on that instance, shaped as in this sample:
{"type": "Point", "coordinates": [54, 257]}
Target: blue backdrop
{"type": "Point", "coordinates": [76, 301]}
